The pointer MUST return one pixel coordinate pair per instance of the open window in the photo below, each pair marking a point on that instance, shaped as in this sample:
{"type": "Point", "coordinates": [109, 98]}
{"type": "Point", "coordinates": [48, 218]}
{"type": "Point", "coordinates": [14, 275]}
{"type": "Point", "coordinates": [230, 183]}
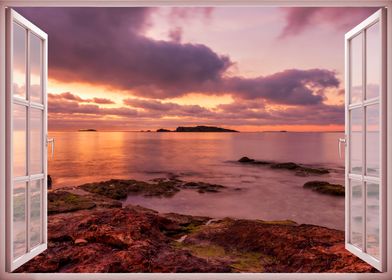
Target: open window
{"type": "Point", "coordinates": [27, 143]}
{"type": "Point", "coordinates": [26, 140]}
{"type": "Point", "coordinates": [366, 140]}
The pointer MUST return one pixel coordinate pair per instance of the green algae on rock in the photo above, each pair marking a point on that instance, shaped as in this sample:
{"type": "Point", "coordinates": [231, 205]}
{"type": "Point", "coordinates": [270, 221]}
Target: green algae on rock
{"type": "Point", "coordinates": [325, 187]}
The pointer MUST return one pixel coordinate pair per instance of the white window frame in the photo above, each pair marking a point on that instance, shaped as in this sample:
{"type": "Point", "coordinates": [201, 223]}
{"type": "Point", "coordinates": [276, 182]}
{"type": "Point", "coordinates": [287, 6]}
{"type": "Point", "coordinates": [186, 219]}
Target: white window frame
{"type": "Point", "coordinates": [129, 3]}
{"type": "Point", "coordinates": [377, 18]}
{"type": "Point", "coordinates": [14, 17]}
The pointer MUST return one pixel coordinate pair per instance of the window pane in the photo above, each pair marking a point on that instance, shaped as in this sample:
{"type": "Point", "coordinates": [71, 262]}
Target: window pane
{"type": "Point", "coordinates": [356, 121]}
{"type": "Point", "coordinates": [19, 140]}
{"type": "Point", "coordinates": [19, 61]}
{"type": "Point", "coordinates": [373, 219]}
{"type": "Point", "coordinates": [373, 61]}
{"type": "Point", "coordinates": [35, 214]}
{"type": "Point", "coordinates": [19, 227]}
{"type": "Point", "coordinates": [356, 60]}
{"type": "Point", "coordinates": [35, 69]}
{"type": "Point", "coordinates": [356, 220]}
{"type": "Point", "coordinates": [372, 140]}
{"type": "Point", "coordinates": [36, 125]}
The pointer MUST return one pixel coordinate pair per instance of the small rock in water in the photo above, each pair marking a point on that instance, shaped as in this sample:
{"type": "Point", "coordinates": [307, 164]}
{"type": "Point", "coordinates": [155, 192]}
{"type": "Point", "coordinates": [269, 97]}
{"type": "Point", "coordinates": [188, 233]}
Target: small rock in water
{"type": "Point", "coordinates": [325, 187]}
{"type": "Point", "coordinates": [246, 159]}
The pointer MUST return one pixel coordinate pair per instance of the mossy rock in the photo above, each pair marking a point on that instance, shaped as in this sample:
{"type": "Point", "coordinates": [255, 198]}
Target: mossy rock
{"type": "Point", "coordinates": [325, 187]}
{"type": "Point", "coordinates": [62, 201]}
{"type": "Point", "coordinates": [280, 222]}
{"type": "Point", "coordinates": [160, 187]}
{"type": "Point", "coordinates": [119, 189]}
{"type": "Point", "coordinates": [299, 168]}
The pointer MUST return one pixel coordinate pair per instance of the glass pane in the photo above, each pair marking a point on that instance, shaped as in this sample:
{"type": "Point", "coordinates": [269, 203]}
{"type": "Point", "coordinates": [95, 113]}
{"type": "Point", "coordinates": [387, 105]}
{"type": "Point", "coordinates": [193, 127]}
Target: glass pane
{"type": "Point", "coordinates": [19, 226]}
{"type": "Point", "coordinates": [356, 220]}
{"type": "Point", "coordinates": [35, 215]}
{"type": "Point", "coordinates": [35, 69]}
{"type": "Point", "coordinates": [372, 140]}
{"type": "Point", "coordinates": [373, 61]}
{"type": "Point", "coordinates": [356, 69]}
{"type": "Point", "coordinates": [36, 125]}
{"type": "Point", "coordinates": [19, 61]}
{"type": "Point", "coordinates": [373, 219]}
{"type": "Point", "coordinates": [356, 121]}
{"type": "Point", "coordinates": [19, 140]}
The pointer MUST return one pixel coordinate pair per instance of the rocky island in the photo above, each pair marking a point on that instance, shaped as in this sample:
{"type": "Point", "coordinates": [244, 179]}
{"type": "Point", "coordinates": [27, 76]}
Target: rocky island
{"type": "Point", "coordinates": [89, 230]}
{"type": "Point", "coordinates": [199, 128]}
{"type": "Point", "coordinates": [87, 130]}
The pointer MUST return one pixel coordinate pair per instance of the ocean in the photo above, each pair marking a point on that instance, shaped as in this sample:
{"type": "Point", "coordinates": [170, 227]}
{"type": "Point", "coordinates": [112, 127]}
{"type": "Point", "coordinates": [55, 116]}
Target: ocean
{"type": "Point", "coordinates": [265, 193]}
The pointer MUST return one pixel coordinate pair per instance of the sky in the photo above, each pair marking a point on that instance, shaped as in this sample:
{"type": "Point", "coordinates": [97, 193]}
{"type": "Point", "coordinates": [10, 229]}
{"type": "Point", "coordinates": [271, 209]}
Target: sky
{"type": "Point", "coordinates": [250, 68]}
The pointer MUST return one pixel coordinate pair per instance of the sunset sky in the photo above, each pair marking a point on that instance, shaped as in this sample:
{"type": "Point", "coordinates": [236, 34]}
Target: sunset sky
{"type": "Point", "coordinates": [251, 69]}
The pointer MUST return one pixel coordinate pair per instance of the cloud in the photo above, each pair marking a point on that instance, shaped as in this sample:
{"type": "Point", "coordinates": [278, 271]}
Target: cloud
{"type": "Point", "coordinates": [175, 34]}
{"type": "Point", "coordinates": [71, 107]}
{"type": "Point", "coordinates": [292, 86]}
{"type": "Point", "coordinates": [67, 96]}
{"type": "Point", "coordinates": [300, 19]}
{"type": "Point", "coordinates": [190, 12]}
{"type": "Point", "coordinates": [107, 46]}
{"type": "Point", "coordinates": [102, 100]}
{"type": "Point", "coordinates": [154, 114]}
{"type": "Point", "coordinates": [167, 108]}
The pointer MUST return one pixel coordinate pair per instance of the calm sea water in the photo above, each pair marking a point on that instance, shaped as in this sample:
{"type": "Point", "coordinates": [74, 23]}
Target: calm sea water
{"type": "Point", "coordinates": [265, 193]}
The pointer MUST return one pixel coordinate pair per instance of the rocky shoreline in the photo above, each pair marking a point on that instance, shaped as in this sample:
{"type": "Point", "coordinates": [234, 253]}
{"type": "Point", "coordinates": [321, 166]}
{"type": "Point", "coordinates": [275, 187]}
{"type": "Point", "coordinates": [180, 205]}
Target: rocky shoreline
{"type": "Point", "coordinates": [89, 230]}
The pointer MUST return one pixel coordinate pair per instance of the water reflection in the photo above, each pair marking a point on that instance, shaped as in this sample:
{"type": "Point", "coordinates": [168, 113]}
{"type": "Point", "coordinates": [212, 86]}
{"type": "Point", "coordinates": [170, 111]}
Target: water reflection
{"type": "Point", "coordinates": [266, 194]}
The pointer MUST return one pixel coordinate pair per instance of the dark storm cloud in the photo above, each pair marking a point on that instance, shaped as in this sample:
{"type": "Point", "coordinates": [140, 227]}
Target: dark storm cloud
{"type": "Point", "coordinates": [293, 86]}
{"type": "Point", "coordinates": [300, 19]}
{"type": "Point", "coordinates": [106, 46]}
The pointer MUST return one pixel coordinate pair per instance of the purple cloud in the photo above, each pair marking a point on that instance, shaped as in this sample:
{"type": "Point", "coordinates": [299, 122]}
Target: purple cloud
{"type": "Point", "coordinates": [67, 96]}
{"type": "Point", "coordinates": [300, 19]}
{"type": "Point", "coordinates": [107, 46]}
{"type": "Point", "coordinates": [293, 86]}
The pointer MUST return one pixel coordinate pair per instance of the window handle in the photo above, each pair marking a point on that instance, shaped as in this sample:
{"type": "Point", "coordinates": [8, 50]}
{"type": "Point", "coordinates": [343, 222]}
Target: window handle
{"type": "Point", "coordinates": [51, 141]}
{"type": "Point", "coordinates": [340, 141]}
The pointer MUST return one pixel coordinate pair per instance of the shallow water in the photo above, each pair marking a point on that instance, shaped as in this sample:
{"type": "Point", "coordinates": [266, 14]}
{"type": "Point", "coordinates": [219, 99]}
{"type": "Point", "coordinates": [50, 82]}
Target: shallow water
{"type": "Point", "coordinates": [210, 157]}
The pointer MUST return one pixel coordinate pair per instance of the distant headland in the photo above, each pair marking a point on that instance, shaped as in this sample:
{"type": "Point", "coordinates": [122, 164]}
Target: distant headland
{"type": "Point", "coordinates": [87, 130]}
{"type": "Point", "coordinates": [199, 128]}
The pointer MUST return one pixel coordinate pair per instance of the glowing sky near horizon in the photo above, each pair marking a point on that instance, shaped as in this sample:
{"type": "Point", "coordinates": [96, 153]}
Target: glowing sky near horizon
{"type": "Point", "coordinates": [250, 69]}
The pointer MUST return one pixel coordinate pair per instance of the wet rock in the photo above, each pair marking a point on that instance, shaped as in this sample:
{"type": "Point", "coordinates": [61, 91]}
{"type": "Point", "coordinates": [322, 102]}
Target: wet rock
{"type": "Point", "coordinates": [119, 189]}
{"type": "Point", "coordinates": [159, 187]}
{"type": "Point", "coordinates": [117, 240]}
{"type": "Point", "coordinates": [137, 239]}
{"type": "Point", "coordinates": [246, 159]}
{"type": "Point", "coordinates": [300, 169]}
{"type": "Point", "coordinates": [325, 187]}
{"type": "Point", "coordinates": [252, 161]}
{"type": "Point", "coordinates": [280, 246]}
{"type": "Point", "coordinates": [63, 201]}
{"type": "Point", "coordinates": [50, 182]}
{"type": "Point", "coordinates": [202, 187]}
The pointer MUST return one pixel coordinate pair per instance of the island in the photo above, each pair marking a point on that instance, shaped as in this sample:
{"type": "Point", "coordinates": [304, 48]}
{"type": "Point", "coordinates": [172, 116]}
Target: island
{"type": "Point", "coordinates": [199, 128]}
{"type": "Point", "coordinates": [87, 130]}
